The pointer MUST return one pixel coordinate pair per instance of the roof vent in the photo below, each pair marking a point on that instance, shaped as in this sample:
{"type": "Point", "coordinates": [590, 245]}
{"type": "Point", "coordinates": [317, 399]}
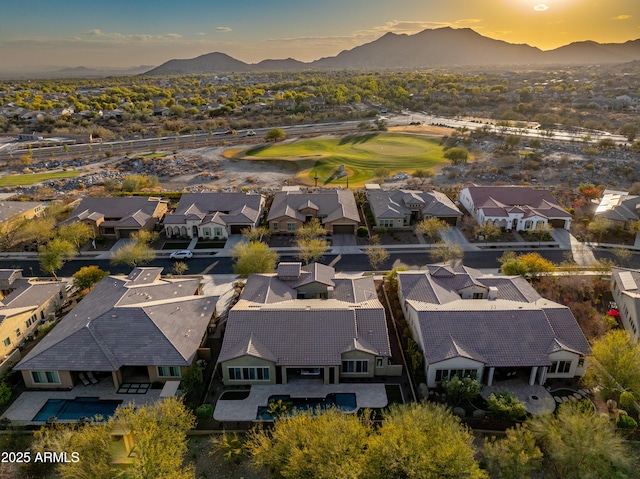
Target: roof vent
{"type": "Point", "coordinates": [114, 316]}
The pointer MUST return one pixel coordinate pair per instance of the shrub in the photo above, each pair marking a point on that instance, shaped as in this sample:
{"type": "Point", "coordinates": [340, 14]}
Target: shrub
{"type": "Point", "coordinates": [204, 412]}
{"type": "Point", "coordinates": [627, 401]}
{"type": "Point", "coordinates": [5, 393]}
{"type": "Point", "coordinates": [380, 230]}
{"type": "Point", "coordinates": [362, 232]}
{"type": "Point", "coordinates": [505, 405]}
{"type": "Point", "coordinates": [626, 423]}
{"type": "Point", "coordinates": [459, 389]}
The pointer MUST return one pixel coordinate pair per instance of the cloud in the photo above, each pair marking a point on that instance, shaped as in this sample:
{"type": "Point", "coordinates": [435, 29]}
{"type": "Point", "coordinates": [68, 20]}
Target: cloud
{"type": "Point", "coordinates": [541, 7]}
{"type": "Point", "coordinates": [622, 17]}
{"type": "Point", "coordinates": [202, 34]}
{"type": "Point", "coordinates": [223, 29]}
{"type": "Point", "coordinates": [139, 37]}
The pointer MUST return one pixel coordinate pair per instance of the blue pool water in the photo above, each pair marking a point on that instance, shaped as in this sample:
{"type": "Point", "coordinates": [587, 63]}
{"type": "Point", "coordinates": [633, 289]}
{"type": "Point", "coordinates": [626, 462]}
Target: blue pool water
{"type": "Point", "coordinates": [346, 402]}
{"type": "Point", "coordinates": [77, 408]}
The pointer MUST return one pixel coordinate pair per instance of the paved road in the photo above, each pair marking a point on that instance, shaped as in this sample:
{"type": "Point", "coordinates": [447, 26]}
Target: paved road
{"type": "Point", "coordinates": [224, 265]}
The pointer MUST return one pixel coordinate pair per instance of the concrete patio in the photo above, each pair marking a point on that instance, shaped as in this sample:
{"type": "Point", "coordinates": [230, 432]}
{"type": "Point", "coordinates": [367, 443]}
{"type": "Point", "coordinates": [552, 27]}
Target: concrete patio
{"type": "Point", "coordinates": [536, 398]}
{"type": "Point", "coordinates": [27, 405]}
{"type": "Point", "coordinates": [367, 396]}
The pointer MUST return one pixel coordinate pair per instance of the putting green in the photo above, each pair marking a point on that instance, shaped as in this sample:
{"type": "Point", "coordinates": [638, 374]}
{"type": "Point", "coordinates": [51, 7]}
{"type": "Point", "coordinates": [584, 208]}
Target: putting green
{"type": "Point", "coordinates": [362, 156]}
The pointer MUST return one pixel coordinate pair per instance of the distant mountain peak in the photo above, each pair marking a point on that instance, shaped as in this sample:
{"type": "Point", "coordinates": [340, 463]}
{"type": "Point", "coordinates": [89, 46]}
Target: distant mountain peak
{"type": "Point", "coordinates": [444, 46]}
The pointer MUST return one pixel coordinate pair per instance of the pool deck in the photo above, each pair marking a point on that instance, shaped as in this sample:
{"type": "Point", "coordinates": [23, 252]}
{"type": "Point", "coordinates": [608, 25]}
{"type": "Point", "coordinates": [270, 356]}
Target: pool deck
{"type": "Point", "coordinates": [29, 403]}
{"type": "Point", "coordinates": [367, 396]}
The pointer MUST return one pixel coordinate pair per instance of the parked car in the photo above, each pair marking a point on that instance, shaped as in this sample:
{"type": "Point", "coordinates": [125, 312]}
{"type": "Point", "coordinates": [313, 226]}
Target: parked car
{"type": "Point", "coordinates": [230, 132]}
{"type": "Point", "coordinates": [182, 254]}
{"type": "Point", "coordinates": [251, 133]}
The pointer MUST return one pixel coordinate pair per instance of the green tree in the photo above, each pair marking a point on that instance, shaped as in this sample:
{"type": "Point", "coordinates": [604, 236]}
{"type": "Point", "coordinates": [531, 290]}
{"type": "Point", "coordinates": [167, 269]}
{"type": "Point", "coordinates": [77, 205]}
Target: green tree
{"type": "Point", "coordinates": [432, 228]}
{"type": "Point", "coordinates": [330, 445]}
{"type": "Point", "coordinates": [133, 254]}
{"type": "Point", "coordinates": [87, 276]}
{"type": "Point", "coordinates": [536, 264]}
{"type": "Point", "coordinates": [160, 431]}
{"type": "Point", "coordinates": [311, 230]}
{"type": "Point", "coordinates": [253, 257]}
{"type": "Point", "coordinates": [377, 255]}
{"type": "Point", "coordinates": [446, 252]}
{"type": "Point", "coordinates": [422, 175]}
{"type": "Point", "coordinates": [599, 227]}
{"type": "Point", "coordinates": [488, 230]}
{"type": "Point", "coordinates": [257, 234]}
{"type": "Point", "coordinates": [516, 456]}
{"type": "Point", "coordinates": [230, 445]}
{"type": "Point", "coordinates": [275, 134]}
{"type": "Point", "coordinates": [421, 441]}
{"type": "Point", "coordinates": [582, 445]}
{"type": "Point", "coordinates": [311, 250]}
{"type": "Point", "coordinates": [54, 254]}
{"type": "Point", "coordinates": [461, 389]}
{"type": "Point", "coordinates": [76, 233]}
{"type": "Point", "coordinates": [617, 364]}
{"type": "Point", "coordinates": [457, 155]}
{"type": "Point", "coordinates": [505, 405]}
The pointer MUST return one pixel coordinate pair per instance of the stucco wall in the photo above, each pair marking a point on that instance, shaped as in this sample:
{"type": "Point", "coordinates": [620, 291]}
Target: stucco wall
{"type": "Point", "coordinates": [247, 361]}
{"type": "Point", "coordinates": [453, 363]}
{"type": "Point", "coordinates": [65, 381]}
{"type": "Point", "coordinates": [359, 355]}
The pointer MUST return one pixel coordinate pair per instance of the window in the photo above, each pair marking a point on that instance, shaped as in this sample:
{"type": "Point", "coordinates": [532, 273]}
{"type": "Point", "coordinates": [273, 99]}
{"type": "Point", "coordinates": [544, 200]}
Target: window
{"type": "Point", "coordinates": [7, 343]}
{"type": "Point", "coordinates": [291, 226]}
{"type": "Point", "coordinates": [357, 366]}
{"type": "Point", "coordinates": [478, 295]}
{"type": "Point", "coordinates": [386, 223]}
{"type": "Point", "coordinates": [45, 377]}
{"type": "Point", "coordinates": [18, 333]}
{"type": "Point", "coordinates": [169, 371]}
{"type": "Point", "coordinates": [560, 367]}
{"type": "Point", "coordinates": [217, 231]}
{"type": "Point", "coordinates": [528, 224]}
{"type": "Point", "coordinates": [449, 373]}
{"type": "Point", "coordinates": [378, 362]}
{"type": "Point", "coordinates": [251, 373]}
{"type": "Point", "coordinates": [580, 362]}
{"type": "Point", "coordinates": [275, 226]}
{"type": "Point", "coordinates": [207, 231]}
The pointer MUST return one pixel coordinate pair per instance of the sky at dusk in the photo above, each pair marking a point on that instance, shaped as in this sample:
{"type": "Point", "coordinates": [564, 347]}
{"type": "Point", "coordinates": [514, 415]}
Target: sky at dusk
{"type": "Point", "coordinates": [124, 33]}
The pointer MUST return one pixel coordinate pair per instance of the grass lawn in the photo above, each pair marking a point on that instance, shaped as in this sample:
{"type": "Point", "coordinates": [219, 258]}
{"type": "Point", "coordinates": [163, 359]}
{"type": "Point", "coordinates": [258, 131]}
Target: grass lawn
{"type": "Point", "coordinates": [362, 154]}
{"type": "Point", "coordinates": [31, 178]}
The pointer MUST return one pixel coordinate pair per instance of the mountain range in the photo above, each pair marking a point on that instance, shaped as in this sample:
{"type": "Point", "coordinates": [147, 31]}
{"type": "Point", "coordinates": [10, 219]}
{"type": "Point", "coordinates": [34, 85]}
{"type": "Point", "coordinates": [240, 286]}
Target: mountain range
{"type": "Point", "coordinates": [429, 48]}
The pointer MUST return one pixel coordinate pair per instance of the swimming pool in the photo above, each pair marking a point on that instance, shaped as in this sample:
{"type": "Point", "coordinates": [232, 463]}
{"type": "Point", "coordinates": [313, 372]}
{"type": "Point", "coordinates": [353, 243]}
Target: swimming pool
{"type": "Point", "coordinates": [346, 402]}
{"type": "Point", "coordinates": [74, 409]}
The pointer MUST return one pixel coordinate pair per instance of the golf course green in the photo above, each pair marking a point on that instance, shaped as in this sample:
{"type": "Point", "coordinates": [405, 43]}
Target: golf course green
{"type": "Point", "coordinates": [363, 155]}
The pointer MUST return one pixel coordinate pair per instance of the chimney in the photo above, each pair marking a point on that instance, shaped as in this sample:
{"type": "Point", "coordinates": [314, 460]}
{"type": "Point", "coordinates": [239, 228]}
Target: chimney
{"type": "Point", "coordinates": [493, 293]}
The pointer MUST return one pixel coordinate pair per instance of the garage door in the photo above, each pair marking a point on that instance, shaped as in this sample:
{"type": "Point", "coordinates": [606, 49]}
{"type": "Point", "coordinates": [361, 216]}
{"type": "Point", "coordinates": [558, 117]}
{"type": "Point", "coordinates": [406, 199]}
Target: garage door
{"type": "Point", "coordinates": [125, 233]}
{"type": "Point", "coordinates": [557, 223]}
{"type": "Point", "coordinates": [344, 229]}
{"type": "Point", "coordinates": [237, 229]}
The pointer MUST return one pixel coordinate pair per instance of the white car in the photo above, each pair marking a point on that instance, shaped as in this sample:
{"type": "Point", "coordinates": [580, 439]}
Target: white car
{"type": "Point", "coordinates": [183, 254]}
{"type": "Point", "coordinates": [251, 133]}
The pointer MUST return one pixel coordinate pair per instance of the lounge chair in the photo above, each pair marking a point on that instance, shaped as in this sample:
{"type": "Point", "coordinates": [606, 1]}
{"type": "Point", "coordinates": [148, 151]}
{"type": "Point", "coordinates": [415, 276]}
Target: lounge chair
{"type": "Point", "coordinates": [83, 379]}
{"type": "Point", "coordinates": [92, 378]}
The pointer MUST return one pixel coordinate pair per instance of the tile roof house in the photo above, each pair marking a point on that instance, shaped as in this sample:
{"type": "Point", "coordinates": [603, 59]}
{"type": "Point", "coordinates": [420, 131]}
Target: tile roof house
{"type": "Point", "coordinates": [489, 327]}
{"type": "Point", "coordinates": [514, 207]}
{"type": "Point", "coordinates": [625, 286]}
{"type": "Point", "coordinates": [619, 207]}
{"type": "Point", "coordinates": [401, 209]}
{"type": "Point", "coordinates": [24, 302]}
{"type": "Point", "coordinates": [214, 215]}
{"type": "Point", "coordinates": [336, 210]}
{"type": "Point", "coordinates": [20, 209]}
{"type": "Point", "coordinates": [306, 321]}
{"type": "Point", "coordinates": [119, 217]}
{"type": "Point", "coordinates": [140, 327]}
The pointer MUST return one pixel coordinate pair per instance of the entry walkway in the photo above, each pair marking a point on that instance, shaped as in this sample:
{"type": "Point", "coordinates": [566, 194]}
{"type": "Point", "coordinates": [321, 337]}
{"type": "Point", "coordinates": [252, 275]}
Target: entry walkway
{"type": "Point", "coordinates": [367, 396]}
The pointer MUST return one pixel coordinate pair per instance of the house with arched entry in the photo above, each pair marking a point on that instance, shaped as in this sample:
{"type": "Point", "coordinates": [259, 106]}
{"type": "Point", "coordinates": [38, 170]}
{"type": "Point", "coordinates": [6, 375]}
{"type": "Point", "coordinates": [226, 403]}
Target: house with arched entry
{"type": "Point", "coordinates": [489, 327]}
{"type": "Point", "coordinates": [519, 208]}
{"type": "Point", "coordinates": [214, 215]}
